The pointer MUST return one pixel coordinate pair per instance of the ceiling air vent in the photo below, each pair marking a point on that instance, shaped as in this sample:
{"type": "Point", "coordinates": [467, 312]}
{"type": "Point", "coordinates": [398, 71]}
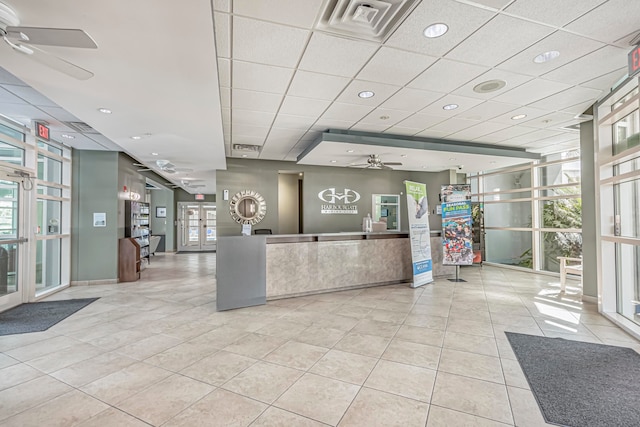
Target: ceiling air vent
{"type": "Point", "coordinates": [81, 127]}
{"type": "Point", "coordinates": [369, 20]}
{"type": "Point", "coordinates": [247, 147]}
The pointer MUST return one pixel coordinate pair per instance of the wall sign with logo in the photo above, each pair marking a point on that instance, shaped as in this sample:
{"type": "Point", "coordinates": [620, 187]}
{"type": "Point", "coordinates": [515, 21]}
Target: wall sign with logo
{"type": "Point", "coordinates": [339, 202]}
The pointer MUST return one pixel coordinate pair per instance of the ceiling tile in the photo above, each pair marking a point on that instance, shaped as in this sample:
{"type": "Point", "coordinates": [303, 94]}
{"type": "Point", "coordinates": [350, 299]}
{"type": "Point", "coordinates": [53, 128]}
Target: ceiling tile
{"type": "Point", "coordinates": [494, 4]}
{"type": "Point", "coordinates": [346, 112]}
{"type": "Point", "coordinates": [398, 130]}
{"type": "Point", "coordinates": [367, 127]}
{"type": "Point", "coordinates": [462, 102]}
{"type": "Point", "coordinates": [595, 64]}
{"type": "Point", "coordinates": [251, 118]}
{"type": "Point", "coordinates": [462, 19]}
{"type": "Point", "coordinates": [286, 121]}
{"type": "Point", "coordinates": [248, 140]}
{"type": "Point", "coordinates": [303, 106]}
{"type": "Point", "coordinates": [533, 136]}
{"type": "Point", "coordinates": [80, 141]}
{"type": "Point", "coordinates": [487, 110]}
{"type": "Point", "coordinates": [420, 121]}
{"type": "Point", "coordinates": [224, 72]}
{"type": "Point", "coordinates": [291, 12]}
{"type": "Point", "coordinates": [531, 91]}
{"type": "Point", "coordinates": [385, 117]}
{"type": "Point", "coordinates": [551, 120]}
{"type": "Point", "coordinates": [531, 113]}
{"type": "Point", "coordinates": [222, 26]}
{"type": "Point", "coordinates": [226, 115]}
{"type": "Point", "coordinates": [252, 131]}
{"type": "Point", "coordinates": [578, 108]}
{"type": "Point", "coordinates": [505, 134]}
{"type": "Point", "coordinates": [323, 124]}
{"type": "Point", "coordinates": [498, 40]}
{"type": "Point", "coordinates": [335, 55]}
{"type": "Point", "coordinates": [30, 95]}
{"type": "Point", "coordinates": [477, 131]}
{"type": "Point", "coordinates": [225, 97]}
{"type": "Point", "coordinates": [550, 11]}
{"type": "Point", "coordinates": [255, 101]}
{"type": "Point", "coordinates": [59, 114]}
{"type": "Point", "coordinates": [264, 78]}
{"type": "Point", "coordinates": [411, 99]}
{"type": "Point", "coordinates": [607, 81]}
{"type": "Point", "coordinates": [8, 78]}
{"type": "Point", "coordinates": [7, 97]}
{"type": "Point", "coordinates": [432, 133]}
{"type": "Point", "coordinates": [513, 80]}
{"type": "Point", "coordinates": [394, 66]}
{"type": "Point", "coordinates": [454, 124]}
{"type": "Point", "coordinates": [446, 76]}
{"type": "Point", "coordinates": [267, 43]}
{"type": "Point", "coordinates": [570, 46]}
{"type": "Point", "coordinates": [222, 5]}
{"type": "Point", "coordinates": [382, 93]}
{"type": "Point", "coordinates": [319, 86]}
{"type": "Point", "coordinates": [609, 22]}
{"type": "Point", "coordinates": [567, 98]}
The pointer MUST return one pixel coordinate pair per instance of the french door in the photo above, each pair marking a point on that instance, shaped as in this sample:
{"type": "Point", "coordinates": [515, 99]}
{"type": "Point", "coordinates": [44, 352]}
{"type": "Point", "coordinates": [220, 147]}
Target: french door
{"type": "Point", "coordinates": [197, 226]}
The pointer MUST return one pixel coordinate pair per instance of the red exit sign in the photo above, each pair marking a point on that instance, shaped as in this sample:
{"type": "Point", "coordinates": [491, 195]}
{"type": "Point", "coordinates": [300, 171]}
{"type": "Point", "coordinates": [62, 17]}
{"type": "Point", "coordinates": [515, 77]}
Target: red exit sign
{"type": "Point", "coordinates": [634, 61]}
{"type": "Point", "coordinates": [199, 196]}
{"type": "Point", "coordinates": [43, 131]}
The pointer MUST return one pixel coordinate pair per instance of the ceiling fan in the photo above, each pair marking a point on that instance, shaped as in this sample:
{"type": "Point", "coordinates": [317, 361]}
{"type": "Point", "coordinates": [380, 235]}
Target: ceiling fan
{"type": "Point", "coordinates": [23, 39]}
{"type": "Point", "coordinates": [374, 162]}
{"type": "Point", "coordinates": [164, 166]}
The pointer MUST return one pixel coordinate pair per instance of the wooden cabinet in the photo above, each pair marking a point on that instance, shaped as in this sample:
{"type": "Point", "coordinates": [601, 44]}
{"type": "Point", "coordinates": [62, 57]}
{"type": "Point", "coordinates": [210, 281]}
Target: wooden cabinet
{"type": "Point", "coordinates": [128, 260]}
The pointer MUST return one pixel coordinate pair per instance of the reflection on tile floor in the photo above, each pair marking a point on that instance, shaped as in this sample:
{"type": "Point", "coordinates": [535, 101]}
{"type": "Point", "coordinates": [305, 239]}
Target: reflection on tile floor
{"type": "Point", "coordinates": [156, 352]}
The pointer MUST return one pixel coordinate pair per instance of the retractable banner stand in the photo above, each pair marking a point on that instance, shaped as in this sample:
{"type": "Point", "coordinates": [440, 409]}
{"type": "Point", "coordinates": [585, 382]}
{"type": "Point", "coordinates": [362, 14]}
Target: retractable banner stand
{"type": "Point", "coordinates": [457, 237]}
{"type": "Point", "coordinates": [419, 234]}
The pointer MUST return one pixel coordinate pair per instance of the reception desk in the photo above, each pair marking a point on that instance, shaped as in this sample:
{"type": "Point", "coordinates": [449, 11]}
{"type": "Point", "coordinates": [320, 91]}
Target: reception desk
{"type": "Point", "coordinates": [254, 269]}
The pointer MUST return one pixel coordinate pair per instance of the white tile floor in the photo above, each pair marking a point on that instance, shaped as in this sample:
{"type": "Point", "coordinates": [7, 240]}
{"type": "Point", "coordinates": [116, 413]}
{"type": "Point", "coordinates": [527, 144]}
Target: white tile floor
{"type": "Point", "coordinates": [156, 352]}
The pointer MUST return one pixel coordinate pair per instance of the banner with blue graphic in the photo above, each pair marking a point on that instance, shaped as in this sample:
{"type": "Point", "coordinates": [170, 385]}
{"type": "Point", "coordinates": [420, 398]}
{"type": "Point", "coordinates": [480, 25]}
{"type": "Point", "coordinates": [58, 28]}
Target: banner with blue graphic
{"type": "Point", "coordinates": [419, 234]}
{"type": "Point", "coordinates": [457, 236]}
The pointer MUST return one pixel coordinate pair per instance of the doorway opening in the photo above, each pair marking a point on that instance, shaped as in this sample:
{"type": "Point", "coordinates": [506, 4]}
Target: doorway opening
{"type": "Point", "coordinates": [196, 227]}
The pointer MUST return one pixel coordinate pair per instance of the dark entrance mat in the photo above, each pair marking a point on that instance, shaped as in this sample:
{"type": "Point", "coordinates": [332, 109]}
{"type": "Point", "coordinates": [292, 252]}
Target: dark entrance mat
{"type": "Point", "coordinates": [578, 383]}
{"type": "Point", "coordinates": [39, 316]}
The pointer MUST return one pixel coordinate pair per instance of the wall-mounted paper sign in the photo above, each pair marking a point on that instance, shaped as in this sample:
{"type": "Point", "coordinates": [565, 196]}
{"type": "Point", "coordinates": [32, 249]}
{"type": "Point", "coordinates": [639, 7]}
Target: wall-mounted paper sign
{"type": "Point", "coordinates": [246, 229]}
{"type": "Point", "coordinates": [99, 219]}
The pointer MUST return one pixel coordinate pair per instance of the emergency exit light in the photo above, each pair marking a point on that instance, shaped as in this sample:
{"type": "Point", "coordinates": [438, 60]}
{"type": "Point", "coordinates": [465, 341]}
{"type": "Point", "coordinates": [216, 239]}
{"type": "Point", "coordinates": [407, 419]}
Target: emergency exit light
{"type": "Point", "coordinates": [199, 196]}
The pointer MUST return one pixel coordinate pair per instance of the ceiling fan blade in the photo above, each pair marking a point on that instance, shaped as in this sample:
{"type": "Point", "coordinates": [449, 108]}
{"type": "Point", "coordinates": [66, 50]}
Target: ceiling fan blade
{"type": "Point", "coordinates": [360, 164]}
{"type": "Point", "coordinates": [59, 64]}
{"type": "Point", "coordinates": [64, 37]}
{"type": "Point", "coordinates": [392, 164]}
{"type": "Point", "coordinates": [385, 167]}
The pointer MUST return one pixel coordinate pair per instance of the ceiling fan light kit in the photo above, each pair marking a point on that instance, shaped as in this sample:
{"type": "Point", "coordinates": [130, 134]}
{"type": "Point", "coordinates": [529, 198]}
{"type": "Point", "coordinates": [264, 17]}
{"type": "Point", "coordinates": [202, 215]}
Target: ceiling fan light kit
{"type": "Point", "coordinates": [21, 39]}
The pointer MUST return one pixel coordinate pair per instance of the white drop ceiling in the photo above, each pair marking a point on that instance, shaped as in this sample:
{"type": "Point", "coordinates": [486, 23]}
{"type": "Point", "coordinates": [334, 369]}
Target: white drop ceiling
{"type": "Point", "coordinates": [205, 75]}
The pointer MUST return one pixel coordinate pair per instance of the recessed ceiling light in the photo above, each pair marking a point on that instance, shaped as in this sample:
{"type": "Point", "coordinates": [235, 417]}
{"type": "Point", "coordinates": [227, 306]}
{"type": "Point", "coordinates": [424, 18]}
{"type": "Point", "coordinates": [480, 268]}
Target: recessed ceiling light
{"type": "Point", "coordinates": [154, 154]}
{"type": "Point", "coordinates": [384, 117]}
{"type": "Point", "coordinates": [105, 110]}
{"type": "Point", "coordinates": [403, 155]}
{"type": "Point", "coordinates": [366, 94]}
{"type": "Point", "coordinates": [546, 56]}
{"type": "Point", "coordinates": [244, 155]}
{"type": "Point", "coordinates": [489, 86]}
{"type": "Point", "coordinates": [350, 151]}
{"type": "Point", "coordinates": [435, 30]}
{"type": "Point", "coordinates": [64, 135]}
{"type": "Point", "coordinates": [519, 117]}
{"type": "Point", "coordinates": [136, 137]}
{"type": "Point", "coordinates": [334, 161]}
{"type": "Point", "coordinates": [450, 107]}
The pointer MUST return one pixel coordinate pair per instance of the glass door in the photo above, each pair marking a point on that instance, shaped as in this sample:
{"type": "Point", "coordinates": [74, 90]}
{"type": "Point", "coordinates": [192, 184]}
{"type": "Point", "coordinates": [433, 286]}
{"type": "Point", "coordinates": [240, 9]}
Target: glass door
{"type": "Point", "coordinates": [11, 240]}
{"type": "Point", "coordinates": [386, 208]}
{"type": "Point", "coordinates": [197, 223]}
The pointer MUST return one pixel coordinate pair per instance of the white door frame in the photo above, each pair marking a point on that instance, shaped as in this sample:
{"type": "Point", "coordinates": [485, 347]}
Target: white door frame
{"type": "Point", "coordinates": [185, 243]}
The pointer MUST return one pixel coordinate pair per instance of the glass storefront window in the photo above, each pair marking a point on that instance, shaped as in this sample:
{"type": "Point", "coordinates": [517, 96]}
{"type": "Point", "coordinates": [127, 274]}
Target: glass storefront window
{"type": "Point", "coordinates": [625, 133]}
{"type": "Point", "coordinates": [507, 181]}
{"type": "Point", "coordinates": [49, 191]}
{"type": "Point", "coordinates": [628, 281]}
{"type": "Point", "coordinates": [48, 262]}
{"type": "Point", "coordinates": [11, 154]}
{"type": "Point", "coordinates": [6, 130]}
{"type": "Point", "coordinates": [49, 169]}
{"type": "Point", "coordinates": [558, 244]}
{"type": "Point", "coordinates": [51, 148]}
{"type": "Point", "coordinates": [560, 191]}
{"type": "Point", "coordinates": [627, 198]}
{"type": "Point", "coordinates": [509, 247]}
{"type": "Point", "coordinates": [508, 196]}
{"type": "Point", "coordinates": [49, 214]}
{"type": "Point", "coordinates": [561, 213]}
{"type": "Point", "coordinates": [559, 173]}
{"type": "Point", "coordinates": [515, 214]}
